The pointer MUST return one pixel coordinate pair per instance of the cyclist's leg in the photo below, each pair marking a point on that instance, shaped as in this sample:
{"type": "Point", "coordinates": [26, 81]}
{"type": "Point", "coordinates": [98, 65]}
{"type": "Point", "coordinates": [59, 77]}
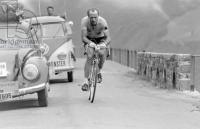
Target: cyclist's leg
{"type": "Point", "coordinates": [88, 63]}
{"type": "Point", "coordinates": [87, 67]}
{"type": "Point", "coordinates": [85, 46]}
{"type": "Point", "coordinates": [102, 58]}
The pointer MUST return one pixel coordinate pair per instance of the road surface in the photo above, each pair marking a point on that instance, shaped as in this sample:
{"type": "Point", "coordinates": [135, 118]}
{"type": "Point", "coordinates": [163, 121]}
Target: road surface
{"type": "Point", "coordinates": [123, 101]}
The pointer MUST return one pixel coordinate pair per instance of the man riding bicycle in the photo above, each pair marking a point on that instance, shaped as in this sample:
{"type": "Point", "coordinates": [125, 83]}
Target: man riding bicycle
{"type": "Point", "coordinates": [94, 33]}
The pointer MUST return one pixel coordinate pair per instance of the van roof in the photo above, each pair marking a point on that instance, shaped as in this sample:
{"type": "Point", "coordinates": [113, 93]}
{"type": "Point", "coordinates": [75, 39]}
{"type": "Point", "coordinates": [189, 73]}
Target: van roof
{"type": "Point", "coordinates": [45, 19]}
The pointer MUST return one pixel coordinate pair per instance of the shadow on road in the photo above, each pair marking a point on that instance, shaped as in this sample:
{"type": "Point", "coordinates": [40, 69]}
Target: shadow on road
{"type": "Point", "coordinates": [58, 81]}
{"type": "Point", "coordinates": [18, 104]}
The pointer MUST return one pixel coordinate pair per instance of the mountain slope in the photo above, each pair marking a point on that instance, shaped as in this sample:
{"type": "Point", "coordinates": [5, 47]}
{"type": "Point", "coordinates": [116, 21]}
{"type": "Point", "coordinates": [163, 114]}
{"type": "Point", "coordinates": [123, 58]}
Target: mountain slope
{"type": "Point", "coordinates": [153, 25]}
{"type": "Point", "coordinates": [183, 35]}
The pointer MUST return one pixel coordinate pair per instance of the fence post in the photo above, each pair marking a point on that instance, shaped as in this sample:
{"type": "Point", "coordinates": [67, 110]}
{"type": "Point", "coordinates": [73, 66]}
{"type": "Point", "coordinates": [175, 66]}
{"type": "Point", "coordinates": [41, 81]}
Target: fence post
{"type": "Point", "coordinates": [132, 60]}
{"type": "Point", "coordinates": [135, 58]}
{"type": "Point", "coordinates": [122, 56]}
{"type": "Point", "coordinates": [193, 72]}
{"type": "Point", "coordinates": [119, 50]}
{"type": "Point", "coordinates": [128, 58]}
{"type": "Point", "coordinates": [111, 54]}
{"type": "Point", "coordinates": [114, 54]}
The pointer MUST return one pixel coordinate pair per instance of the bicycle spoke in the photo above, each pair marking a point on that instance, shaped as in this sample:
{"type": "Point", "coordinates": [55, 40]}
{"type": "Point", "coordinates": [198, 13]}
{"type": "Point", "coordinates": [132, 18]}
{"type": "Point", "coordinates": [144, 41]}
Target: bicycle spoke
{"type": "Point", "coordinates": [92, 83]}
{"type": "Point", "coordinates": [93, 77]}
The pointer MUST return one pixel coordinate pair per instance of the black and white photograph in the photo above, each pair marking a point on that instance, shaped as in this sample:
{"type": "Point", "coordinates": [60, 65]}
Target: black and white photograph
{"type": "Point", "coordinates": [99, 64]}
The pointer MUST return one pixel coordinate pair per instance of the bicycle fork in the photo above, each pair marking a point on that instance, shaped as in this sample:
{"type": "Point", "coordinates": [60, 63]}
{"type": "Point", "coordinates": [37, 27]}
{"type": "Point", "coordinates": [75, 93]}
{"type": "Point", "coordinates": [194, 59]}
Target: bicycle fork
{"type": "Point", "coordinates": [93, 72]}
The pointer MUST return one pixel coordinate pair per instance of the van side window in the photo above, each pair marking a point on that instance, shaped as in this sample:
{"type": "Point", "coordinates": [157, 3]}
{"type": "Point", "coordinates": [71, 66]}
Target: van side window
{"type": "Point", "coordinates": [68, 29]}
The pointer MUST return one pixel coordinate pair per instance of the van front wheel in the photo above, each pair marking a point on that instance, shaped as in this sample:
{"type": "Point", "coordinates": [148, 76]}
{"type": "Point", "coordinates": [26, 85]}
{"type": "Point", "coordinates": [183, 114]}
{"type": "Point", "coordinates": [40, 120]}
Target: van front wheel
{"type": "Point", "coordinates": [43, 98]}
{"type": "Point", "coordinates": [70, 76]}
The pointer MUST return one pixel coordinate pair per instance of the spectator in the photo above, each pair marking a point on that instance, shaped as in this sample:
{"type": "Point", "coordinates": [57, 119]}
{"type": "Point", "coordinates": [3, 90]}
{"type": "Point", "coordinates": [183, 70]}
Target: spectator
{"type": "Point", "coordinates": [50, 11]}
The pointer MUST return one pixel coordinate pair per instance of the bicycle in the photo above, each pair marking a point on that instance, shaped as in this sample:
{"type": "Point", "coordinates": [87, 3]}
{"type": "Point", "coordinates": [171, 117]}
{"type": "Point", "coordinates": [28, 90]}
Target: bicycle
{"type": "Point", "coordinates": [92, 79]}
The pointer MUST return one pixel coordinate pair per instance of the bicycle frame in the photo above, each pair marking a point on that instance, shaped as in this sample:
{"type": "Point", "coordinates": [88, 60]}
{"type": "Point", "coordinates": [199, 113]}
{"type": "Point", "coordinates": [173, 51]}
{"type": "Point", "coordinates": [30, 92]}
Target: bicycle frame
{"type": "Point", "coordinates": [93, 76]}
{"type": "Point", "coordinates": [93, 72]}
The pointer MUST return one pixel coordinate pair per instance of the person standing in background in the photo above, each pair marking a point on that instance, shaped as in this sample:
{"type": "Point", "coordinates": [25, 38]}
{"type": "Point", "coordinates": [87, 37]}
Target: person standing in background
{"type": "Point", "coordinates": [50, 11]}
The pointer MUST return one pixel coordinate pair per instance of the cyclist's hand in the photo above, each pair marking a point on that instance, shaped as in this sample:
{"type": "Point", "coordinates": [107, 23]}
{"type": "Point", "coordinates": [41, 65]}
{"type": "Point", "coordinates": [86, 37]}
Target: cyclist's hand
{"type": "Point", "coordinates": [91, 44]}
{"type": "Point", "coordinates": [97, 47]}
{"type": "Point", "coordinates": [102, 45]}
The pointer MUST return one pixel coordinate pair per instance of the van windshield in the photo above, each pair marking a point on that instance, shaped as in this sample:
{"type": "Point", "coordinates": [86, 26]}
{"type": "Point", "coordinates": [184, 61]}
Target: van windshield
{"type": "Point", "coordinates": [53, 30]}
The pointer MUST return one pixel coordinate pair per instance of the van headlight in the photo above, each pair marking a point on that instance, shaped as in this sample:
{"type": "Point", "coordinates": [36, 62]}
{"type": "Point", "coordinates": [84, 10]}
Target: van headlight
{"type": "Point", "coordinates": [30, 72]}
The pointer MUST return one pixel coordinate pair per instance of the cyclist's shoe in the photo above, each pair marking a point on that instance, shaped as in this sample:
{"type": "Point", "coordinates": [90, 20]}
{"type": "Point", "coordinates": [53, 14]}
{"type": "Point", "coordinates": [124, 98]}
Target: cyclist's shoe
{"type": "Point", "coordinates": [99, 78]}
{"type": "Point", "coordinates": [85, 87]}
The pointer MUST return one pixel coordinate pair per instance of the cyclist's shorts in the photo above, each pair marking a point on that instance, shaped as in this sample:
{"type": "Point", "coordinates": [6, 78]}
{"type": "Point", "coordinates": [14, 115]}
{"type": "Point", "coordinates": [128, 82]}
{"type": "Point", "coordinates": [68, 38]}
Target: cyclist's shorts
{"type": "Point", "coordinates": [97, 40]}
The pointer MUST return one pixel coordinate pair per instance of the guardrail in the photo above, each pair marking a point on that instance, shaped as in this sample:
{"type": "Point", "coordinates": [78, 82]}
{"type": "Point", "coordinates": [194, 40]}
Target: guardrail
{"type": "Point", "coordinates": [165, 70]}
{"type": "Point", "coordinates": [124, 57]}
{"type": "Point", "coordinates": [196, 71]}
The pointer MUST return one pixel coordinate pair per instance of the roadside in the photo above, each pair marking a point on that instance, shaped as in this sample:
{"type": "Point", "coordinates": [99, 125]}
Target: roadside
{"type": "Point", "coordinates": [123, 101]}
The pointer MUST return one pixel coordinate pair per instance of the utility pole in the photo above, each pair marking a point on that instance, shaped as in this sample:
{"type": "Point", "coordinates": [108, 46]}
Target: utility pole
{"type": "Point", "coordinates": [39, 7]}
{"type": "Point", "coordinates": [65, 9]}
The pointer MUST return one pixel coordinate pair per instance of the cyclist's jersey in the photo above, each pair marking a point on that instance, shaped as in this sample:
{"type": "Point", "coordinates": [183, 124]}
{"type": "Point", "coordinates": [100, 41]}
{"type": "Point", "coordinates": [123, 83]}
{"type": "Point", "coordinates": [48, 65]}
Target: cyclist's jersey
{"type": "Point", "coordinates": [94, 32]}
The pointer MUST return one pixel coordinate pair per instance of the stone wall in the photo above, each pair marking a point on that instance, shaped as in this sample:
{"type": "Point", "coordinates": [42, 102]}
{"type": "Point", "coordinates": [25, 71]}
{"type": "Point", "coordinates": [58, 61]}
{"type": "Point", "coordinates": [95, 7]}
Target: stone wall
{"type": "Point", "coordinates": [166, 70]}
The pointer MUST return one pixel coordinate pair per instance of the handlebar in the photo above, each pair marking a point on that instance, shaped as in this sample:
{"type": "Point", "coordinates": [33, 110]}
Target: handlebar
{"type": "Point", "coordinates": [98, 47]}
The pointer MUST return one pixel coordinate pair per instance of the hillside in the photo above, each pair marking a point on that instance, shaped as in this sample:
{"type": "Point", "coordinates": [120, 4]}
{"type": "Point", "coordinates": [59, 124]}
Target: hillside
{"type": "Point", "coordinates": [152, 25]}
{"type": "Point", "coordinates": [183, 35]}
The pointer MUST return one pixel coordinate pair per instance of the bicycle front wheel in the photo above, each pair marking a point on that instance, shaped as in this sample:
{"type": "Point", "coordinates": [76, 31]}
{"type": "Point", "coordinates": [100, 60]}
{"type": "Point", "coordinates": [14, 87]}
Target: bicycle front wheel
{"type": "Point", "coordinates": [93, 83]}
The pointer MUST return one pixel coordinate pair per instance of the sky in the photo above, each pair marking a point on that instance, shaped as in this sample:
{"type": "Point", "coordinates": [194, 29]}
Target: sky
{"type": "Point", "coordinates": [26, 3]}
{"type": "Point", "coordinates": [142, 5]}
{"type": "Point", "coordinates": [139, 4]}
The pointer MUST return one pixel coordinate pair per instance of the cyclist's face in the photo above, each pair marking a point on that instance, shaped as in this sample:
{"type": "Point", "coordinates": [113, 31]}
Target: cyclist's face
{"type": "Point", "coordinates": [93, 18]}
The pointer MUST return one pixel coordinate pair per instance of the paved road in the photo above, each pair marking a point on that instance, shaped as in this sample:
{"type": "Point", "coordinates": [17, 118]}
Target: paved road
{"type": "Point", "coordinates": [123, 101]}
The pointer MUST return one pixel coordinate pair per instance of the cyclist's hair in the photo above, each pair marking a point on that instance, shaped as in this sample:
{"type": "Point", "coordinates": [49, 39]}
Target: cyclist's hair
{"type": "Point", "coordinates": [92, 10]}
{"type": "Point", "coordinates": [50, 7]}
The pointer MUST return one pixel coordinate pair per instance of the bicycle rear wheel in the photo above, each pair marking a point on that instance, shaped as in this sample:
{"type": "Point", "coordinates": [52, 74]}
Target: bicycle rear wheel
{"type": "Point", "coordinates": [92, 83]}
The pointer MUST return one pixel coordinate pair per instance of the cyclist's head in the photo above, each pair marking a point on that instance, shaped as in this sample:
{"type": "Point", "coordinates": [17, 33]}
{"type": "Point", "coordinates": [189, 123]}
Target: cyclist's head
{"type": "Point", "coordinates": [93, 15]}
{"type": "Point", "coordinates": [50, 10]}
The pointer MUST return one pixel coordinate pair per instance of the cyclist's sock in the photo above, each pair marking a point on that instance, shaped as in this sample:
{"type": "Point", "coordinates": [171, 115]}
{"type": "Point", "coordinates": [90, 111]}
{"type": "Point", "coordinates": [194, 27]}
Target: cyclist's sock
{"type": "Point", "coordinates": [99, 78]}
{"type": "Point", "coordinates": [84, 87]}
{"type": "Point", "coordinates": [99, 71]}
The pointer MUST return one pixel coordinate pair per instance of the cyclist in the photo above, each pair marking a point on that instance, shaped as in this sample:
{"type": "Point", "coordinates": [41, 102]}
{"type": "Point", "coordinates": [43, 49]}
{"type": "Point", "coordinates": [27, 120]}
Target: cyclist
{"type": "Point", "coordinates": [94, 31]}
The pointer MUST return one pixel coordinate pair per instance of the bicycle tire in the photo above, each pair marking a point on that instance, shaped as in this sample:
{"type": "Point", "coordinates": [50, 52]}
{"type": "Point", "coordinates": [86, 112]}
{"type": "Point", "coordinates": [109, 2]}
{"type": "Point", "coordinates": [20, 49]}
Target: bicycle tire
{"type": "Point", "coordinates": [93, 83]}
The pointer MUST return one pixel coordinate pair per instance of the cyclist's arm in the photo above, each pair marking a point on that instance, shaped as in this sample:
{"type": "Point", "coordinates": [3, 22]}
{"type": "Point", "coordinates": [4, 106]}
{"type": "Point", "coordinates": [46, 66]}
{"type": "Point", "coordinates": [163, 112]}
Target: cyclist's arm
{"type": "Point", "coordinates": [107, 35]}
{"type": "Point", "coordinates": [84, 38]}
{"type": "Point", "coordinates": [106, 32]}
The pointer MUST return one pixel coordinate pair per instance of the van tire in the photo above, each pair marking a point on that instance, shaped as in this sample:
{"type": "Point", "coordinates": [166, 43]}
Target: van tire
{"type": "Point", "coordinates": [43, 98]}
{"type": "Point", "coordinates": [70, 76]}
